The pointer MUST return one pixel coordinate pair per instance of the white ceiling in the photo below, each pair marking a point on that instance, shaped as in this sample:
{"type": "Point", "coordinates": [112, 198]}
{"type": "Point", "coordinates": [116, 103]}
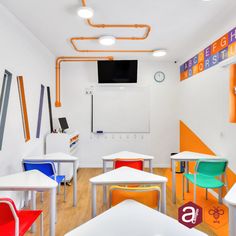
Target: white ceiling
{"type": "Point", "coordinates": [177, 25]}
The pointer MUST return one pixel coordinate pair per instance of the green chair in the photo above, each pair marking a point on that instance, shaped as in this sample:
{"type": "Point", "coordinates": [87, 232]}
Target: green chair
{"type": "Point", "coordinates": [205, 175]}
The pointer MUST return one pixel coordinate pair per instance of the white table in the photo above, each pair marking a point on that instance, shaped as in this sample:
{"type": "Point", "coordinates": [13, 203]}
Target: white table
{"type": "Point", "coordinates": [60, 158]}
{"type": "Point", "coordinates": [32, 181]}
{"type": "Point", "coordinates": [187, 157]}
{"type": "Point", "coordinates": [132, 218]}
{"type": "Point", "coordinates": [230, 198]}
{"type": "Point", "coordinates": [126, 176]}
{"type": "Point", "coordinates": [124, 155]}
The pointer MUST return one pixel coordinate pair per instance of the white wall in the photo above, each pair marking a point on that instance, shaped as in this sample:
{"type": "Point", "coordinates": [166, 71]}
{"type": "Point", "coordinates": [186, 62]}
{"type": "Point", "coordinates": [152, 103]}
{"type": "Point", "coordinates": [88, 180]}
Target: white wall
{"type": "Point", "coordinates": [204, 105]}
{"type": "Point", "coordinates": [76, 106]}
{"type": "Point", "coordinates": [22, 54]}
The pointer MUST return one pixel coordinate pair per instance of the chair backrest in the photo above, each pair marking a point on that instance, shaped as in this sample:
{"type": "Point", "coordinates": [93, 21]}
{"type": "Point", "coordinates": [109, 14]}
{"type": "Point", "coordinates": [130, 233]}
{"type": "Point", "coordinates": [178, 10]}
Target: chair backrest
{"type": "Point", "coordinates": [8, 213]}
{"type": "Point", "coordinates": [47, 168]}
{"type": "Point", "coordinates": [149, 196]}
{"type": "Point", "coordinates": [211, 167]}
{"type": "Point", "coordinates": [133, 163]}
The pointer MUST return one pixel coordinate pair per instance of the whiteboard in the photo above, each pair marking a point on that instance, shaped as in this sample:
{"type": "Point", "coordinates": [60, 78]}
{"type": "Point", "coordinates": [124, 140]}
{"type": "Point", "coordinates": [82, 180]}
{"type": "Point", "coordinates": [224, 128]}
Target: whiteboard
{"type": "Point", "coordinates": [121, 110]}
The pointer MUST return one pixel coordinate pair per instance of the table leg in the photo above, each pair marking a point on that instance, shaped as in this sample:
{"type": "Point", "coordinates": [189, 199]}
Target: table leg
{"type": "Point", "coordinates": [94, 200]}
{"type": "Point", "coordinates": [104, 186]}
{"type": "Point", "coordinates": [163, 198]}
{"type": "Point", "coordinates": [150, 166]}
{"type": "Point", "coordinates": [232, 217]}
{"type": "Point", "coordinates": [74, 184]}
{"type": "Point", "coordinates": [52, 211]}
{"type": "Point", "coordinates": [58, 173]}
{"type": "Point", "coordinates": [187, 171]}
{"type": "Point", "coordinates": [173, 182]}
{"type": "Point", "coordinates": [33, 207]}
{"type": "Point", "coordinates": [26, 200]}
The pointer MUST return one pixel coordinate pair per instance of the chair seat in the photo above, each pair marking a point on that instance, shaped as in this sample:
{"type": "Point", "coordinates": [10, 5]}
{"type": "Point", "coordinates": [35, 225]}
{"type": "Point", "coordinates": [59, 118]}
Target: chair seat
{"type": "Point", "coordinates": [59, 178]}
{"type": "Point", "coordinates": [26, 219]}
{"type": "Point", "coordinates": [204, 181]}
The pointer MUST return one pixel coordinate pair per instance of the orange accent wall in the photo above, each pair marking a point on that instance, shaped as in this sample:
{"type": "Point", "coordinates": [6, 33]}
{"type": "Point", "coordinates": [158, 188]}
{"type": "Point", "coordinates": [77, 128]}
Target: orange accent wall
{"type": "Point", "coordinates": [232, 95]}
{"type": "Point", "coordinates": [189, 141]}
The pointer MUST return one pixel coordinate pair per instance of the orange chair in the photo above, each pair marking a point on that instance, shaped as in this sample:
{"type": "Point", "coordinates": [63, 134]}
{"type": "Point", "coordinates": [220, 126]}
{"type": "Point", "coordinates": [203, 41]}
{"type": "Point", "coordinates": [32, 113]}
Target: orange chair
{"type": "Point", "coordinates": [133, 163]}
{"type": "Point", "coordinates": [149, 196]}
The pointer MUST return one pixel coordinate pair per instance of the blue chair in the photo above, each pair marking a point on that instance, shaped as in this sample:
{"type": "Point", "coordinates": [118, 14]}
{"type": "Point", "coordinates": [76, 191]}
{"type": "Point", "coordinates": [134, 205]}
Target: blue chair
{"type": "Point", "coordinates": [47, 168]}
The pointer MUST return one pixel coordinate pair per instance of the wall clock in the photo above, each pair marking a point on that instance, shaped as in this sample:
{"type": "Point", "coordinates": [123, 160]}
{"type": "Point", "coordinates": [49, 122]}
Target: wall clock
{"type": "Point", "coordinates": [159, 76]}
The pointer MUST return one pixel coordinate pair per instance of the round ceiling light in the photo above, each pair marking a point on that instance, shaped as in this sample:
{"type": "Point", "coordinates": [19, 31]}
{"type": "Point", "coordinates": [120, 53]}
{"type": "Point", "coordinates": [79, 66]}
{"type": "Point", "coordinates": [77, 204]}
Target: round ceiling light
{"type": "Point", "coordinates": [107, 40]}
{"type": "Point", "coordinates": [85, 12]}
{"type": "Point", "coordinates": [159, 53]}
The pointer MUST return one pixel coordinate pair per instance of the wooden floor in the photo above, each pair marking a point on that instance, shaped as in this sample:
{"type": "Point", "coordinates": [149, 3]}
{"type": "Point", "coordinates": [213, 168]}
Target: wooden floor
{"type": "Point", "coordinates": [69, 217]}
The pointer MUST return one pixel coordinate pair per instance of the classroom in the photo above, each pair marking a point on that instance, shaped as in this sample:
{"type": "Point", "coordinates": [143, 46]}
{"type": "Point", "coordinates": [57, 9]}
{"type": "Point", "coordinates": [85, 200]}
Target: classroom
{"type": "Point", "coordinates": [117, 118]}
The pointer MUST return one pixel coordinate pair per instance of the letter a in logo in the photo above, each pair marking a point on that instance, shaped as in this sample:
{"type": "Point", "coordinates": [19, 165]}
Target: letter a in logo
{"type": "Point", "coordinates": [190, 215]}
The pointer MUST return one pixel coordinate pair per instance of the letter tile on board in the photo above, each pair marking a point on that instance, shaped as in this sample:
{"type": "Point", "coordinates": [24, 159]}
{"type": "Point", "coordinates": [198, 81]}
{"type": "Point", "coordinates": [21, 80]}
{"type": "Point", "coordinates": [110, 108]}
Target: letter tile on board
{"type": "Point", "coordinates": [232, 49]}
{"type": "Point", "coordinates": [232, 36]}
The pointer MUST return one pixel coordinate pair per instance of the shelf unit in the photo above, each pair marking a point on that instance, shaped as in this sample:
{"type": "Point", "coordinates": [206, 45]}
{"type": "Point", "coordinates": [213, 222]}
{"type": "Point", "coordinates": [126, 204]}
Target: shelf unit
{"type": "Point", "coordinates": [63, 142]}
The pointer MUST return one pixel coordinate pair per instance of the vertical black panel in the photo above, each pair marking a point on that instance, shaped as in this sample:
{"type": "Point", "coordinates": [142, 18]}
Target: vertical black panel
{"type": "Point", "coordinates": [50, 109]}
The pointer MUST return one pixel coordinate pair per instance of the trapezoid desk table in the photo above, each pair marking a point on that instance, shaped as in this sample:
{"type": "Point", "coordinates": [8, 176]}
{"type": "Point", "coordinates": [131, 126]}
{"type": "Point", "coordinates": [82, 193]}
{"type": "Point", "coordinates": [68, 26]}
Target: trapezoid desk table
{"type": "Point", "coordinates": [60, 158]}
{"type": "Point", "coordinates": [187, 157]}
{"type": "Point", "coordinates": [133, 218]}
{"type": "Point", "coordinates": [33, 181]}
{"type": "Point", "coordinates": [126, 175]}
{"type": "Point", "coordinates": [124, 155]}
{"type": "Point", "coordinates": [230, 198]}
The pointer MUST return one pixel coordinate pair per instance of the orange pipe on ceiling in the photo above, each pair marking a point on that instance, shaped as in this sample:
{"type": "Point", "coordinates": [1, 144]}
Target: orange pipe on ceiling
{"type": "Point", "coordinates": [148, 29]}
{"type": "Point", "coordinates": [59, 60]}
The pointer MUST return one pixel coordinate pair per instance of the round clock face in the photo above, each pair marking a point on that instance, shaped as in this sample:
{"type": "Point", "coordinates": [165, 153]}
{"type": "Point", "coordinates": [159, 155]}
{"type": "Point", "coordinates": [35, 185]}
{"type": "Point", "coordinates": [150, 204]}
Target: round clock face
{"type": "Point", "coordinates": [159, 76]}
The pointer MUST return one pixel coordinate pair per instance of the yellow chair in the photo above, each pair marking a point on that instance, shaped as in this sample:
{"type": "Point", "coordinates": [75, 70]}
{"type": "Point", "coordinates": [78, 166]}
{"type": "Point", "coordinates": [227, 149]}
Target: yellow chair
{"type": "Point", "coordinates": [149, 196]}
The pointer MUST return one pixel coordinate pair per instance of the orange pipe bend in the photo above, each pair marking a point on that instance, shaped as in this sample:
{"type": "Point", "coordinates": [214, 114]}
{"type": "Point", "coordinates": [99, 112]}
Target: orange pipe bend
{"type": "Point", "coordinates": [73, 40]}
{"type": "Point", "coordinates": [148, 27]}
{"type": "Point", "coordinates": [59, 60]}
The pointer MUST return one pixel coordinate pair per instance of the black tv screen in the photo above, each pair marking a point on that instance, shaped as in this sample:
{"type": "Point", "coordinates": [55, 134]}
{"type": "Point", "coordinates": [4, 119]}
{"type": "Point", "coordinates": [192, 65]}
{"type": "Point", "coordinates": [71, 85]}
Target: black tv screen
{"type": "Point", "coordinates": [124, 71]}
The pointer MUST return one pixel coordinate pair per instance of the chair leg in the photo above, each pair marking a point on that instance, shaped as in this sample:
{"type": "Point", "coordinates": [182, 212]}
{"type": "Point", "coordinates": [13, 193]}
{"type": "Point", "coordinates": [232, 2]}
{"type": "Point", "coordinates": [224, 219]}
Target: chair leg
{"type": "Point", "coordinates": [58, 188]}
{"type": "Point", "coordinates": [65, 189]}
{"type": "Point", "coordinates": [41, 196]}
{"type": "Point", "coordinates": [206, 194]}
{"type": "Point", "coordinates": [183, 187]}
{"type": "Point", "coordinates": [220, 196]}
{"type": "Point", "coordinates": [41, 224]}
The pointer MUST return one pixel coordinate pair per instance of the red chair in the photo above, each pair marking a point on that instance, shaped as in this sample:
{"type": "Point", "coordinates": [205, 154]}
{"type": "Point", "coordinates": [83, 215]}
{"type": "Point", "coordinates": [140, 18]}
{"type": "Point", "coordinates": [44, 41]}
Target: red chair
{"type": "Point", "coordinates": [15, 222]}
{"type": "Point", "coordinates": [133, 163]}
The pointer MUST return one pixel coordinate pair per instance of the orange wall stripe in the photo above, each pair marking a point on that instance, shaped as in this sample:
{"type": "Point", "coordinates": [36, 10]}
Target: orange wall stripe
{"type": "Point", "coordinates": [232, 95]}
{"type": "Point", "coordinates": [24, 113]}
{"type": "Point", "coordinates": [189, 141]}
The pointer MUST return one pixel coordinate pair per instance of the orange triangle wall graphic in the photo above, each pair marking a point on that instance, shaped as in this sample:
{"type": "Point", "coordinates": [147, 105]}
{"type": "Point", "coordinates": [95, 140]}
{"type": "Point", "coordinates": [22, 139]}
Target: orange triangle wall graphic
{"type": "Point", "coordinates": [189, 141]}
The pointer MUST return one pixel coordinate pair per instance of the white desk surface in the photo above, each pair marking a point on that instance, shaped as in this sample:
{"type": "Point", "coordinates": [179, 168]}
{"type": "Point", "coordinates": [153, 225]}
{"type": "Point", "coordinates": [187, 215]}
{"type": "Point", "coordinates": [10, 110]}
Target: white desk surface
{"type": "Point", "coordinates": [230, 197]}
{"type": "Point", "coordinates": [132, 218]}
{"type": "Point", "coordinates": [125, 175]}
{"type": "Point", "coordinates": [28, 180]}
{"type": "Point", "coordinates": [192, 156]}
{"type": "Point", "coordinates": [59, 156]}
{"type": "Point", "coordinates": [126, 154]}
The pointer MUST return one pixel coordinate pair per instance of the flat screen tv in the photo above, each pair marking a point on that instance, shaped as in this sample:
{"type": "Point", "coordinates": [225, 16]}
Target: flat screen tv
{"type": "Point", "coordinates": [124, 71]}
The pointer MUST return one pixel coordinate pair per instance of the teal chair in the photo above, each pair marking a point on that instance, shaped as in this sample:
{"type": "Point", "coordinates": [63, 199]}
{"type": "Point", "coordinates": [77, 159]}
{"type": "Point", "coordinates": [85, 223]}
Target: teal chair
{"type": "Point", "coordinates": [205, 175]}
